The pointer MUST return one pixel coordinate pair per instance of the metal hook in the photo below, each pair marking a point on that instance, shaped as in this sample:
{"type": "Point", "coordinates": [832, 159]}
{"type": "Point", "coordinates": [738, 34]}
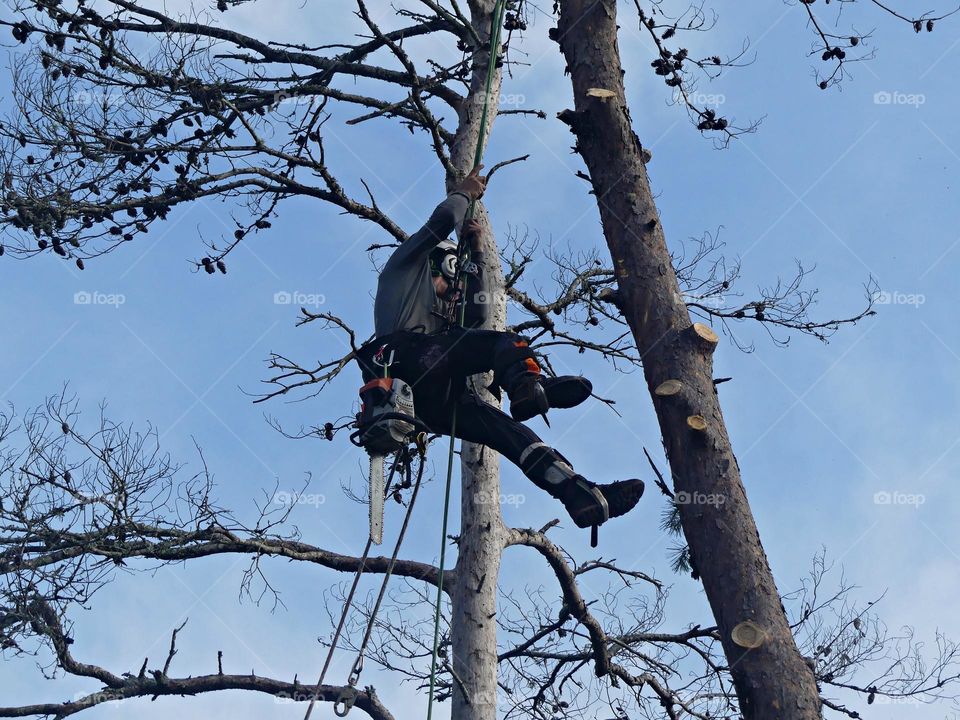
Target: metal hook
{"type": "Point", "coordinates": [344, 703]}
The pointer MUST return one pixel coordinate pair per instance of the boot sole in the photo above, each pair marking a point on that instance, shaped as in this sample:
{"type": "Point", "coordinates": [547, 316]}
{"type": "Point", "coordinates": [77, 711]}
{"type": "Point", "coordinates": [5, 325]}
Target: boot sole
{"type": "Point", "coordinates": [567, 392]}
{"type": "Point", "coordinates": [633, 500]}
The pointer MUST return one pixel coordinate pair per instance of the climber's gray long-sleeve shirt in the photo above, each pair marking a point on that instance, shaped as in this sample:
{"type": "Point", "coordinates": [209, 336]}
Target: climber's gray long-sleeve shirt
{"type": "Point", "coordinates": [406, 298]}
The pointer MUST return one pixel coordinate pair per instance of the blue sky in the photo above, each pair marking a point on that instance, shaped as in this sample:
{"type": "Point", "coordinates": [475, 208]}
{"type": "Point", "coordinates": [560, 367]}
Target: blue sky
{"type": "Point", "coordinates": [857, 187]}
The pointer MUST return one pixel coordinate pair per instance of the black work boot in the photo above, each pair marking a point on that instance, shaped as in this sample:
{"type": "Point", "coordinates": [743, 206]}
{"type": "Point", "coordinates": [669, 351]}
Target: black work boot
{"type": "Point", "coordinates": [537, 394]}
{"type": "Point", "coordinates": [528, 398]}
{"type": "Point", "coordinates": [590, 505]}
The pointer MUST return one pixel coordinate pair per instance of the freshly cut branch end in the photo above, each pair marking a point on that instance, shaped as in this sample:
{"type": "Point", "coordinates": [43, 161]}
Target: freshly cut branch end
{"type": "Point", "coordinates": [748, 635]}
{"type": "Point", "coordinates": [668, 387]}
{"type": "Point", "coordinates": [697, 422]}
{"type": "Point", "coordinates": [600, 93]}
{"type": "Point", "coordinates": [707, 337]}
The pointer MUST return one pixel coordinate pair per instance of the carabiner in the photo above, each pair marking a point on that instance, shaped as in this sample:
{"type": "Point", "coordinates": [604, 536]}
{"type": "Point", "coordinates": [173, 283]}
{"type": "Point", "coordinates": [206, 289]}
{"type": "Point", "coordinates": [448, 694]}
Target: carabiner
{"type": "Point", "coordinates": [378, 357]}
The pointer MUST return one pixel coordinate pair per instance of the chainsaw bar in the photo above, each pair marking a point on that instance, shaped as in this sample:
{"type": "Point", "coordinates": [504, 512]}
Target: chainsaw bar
{"type": "Point", "coordinates": [377, 463]}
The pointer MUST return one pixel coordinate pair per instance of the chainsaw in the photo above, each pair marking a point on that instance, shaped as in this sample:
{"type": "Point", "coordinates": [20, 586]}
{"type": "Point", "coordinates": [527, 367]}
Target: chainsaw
{"type": "Point", "coordinates": [385, 424]}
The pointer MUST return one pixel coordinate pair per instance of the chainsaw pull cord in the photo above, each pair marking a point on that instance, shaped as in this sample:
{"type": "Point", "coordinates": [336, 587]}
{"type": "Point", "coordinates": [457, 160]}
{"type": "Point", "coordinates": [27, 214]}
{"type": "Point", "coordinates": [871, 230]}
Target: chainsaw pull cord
{"type": "Point", "coordinates": [498, 12]}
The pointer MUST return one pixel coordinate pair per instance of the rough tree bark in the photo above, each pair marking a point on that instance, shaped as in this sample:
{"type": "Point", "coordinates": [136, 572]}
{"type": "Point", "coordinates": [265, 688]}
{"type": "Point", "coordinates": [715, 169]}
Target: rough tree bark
{"type": "Point", "coordinates": [772, 680]}
{"type": "Point", "coordinates": [473, 640]}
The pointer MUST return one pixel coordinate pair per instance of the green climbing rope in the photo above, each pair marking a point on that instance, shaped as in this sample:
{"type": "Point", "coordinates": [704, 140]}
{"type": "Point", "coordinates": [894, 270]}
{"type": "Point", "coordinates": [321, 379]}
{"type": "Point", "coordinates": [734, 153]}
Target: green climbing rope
{"type": "Point", "coordinates": [498, 12]}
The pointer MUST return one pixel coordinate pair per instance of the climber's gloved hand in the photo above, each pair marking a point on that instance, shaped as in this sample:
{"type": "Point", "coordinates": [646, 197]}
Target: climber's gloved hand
{"type": "Point", "coordinates": [473, 185]}
{"type": "Point", "coordinates": [473, 234]}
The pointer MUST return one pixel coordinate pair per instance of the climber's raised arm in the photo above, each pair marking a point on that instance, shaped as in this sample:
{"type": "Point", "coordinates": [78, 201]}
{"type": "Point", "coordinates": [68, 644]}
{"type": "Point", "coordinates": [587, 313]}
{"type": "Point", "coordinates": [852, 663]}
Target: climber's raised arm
{"type": "Point", "coordinates": [445, 219]}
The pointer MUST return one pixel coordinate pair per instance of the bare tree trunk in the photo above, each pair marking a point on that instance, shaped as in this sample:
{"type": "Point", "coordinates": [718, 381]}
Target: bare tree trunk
{"type": "Point", "coordinates": [482, 534]}
{"type": "Point", "coordinates": [772, 680]}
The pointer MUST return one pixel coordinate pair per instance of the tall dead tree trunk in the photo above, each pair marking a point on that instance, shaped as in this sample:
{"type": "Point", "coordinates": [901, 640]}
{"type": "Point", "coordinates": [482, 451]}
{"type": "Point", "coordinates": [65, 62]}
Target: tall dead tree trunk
{"type": "Point", "coordinates": [772, 679]}
{"type": "Point", "coordinates": [473, 640]}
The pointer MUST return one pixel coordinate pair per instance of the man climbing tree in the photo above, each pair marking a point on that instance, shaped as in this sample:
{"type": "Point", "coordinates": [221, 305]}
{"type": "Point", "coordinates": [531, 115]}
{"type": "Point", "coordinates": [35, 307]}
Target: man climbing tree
{"type": "Point", "coordinates": [419, 295]}
{"type": "Point", "coordinates": [198, 109]}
